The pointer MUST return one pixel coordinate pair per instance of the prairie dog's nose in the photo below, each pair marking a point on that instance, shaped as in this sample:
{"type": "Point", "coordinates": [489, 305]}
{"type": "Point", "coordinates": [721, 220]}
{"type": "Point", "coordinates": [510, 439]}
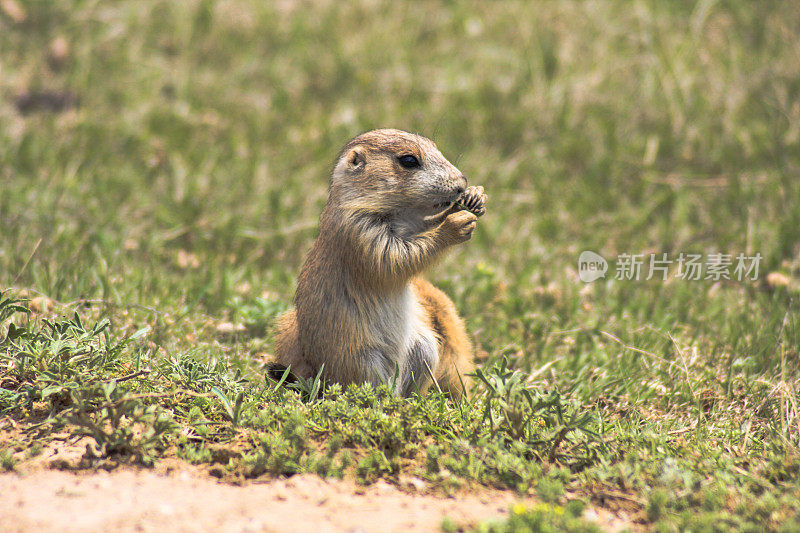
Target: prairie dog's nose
{"type": "Point", "coordinates": [461, 184]}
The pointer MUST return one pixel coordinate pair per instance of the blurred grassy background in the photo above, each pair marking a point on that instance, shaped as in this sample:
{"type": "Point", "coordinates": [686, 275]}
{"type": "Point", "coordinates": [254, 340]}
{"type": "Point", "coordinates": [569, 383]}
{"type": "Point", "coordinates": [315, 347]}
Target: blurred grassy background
{"type": "Point", "coordinates": [190, 174]}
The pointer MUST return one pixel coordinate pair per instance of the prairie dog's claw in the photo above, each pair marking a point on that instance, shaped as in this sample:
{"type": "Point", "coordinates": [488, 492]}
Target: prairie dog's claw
{"type": "Point", "coordinates": [474, 200]}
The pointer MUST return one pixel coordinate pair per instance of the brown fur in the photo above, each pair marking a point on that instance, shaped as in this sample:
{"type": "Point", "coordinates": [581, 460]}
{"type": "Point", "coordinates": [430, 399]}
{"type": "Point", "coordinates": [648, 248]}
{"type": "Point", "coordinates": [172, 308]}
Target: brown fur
{"type": "Point", "coordinates": [361, 313]}
{"type": "Point", "coordinates": [455, 348]}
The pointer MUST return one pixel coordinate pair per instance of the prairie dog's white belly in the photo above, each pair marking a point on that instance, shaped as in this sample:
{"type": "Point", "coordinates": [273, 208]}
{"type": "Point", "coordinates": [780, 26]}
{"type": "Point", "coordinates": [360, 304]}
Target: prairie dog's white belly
{"type": "Point", "coordinates": [399, 339]}
{"type": "Point", "coordinates": [391, 322]}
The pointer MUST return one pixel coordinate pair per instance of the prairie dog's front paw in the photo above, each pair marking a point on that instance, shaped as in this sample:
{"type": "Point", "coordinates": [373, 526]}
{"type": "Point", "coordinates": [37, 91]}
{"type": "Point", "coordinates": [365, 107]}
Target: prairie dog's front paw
{"type": "Point", "coordinates": [474, 200]}
{"type": "Point", "coordinates": [460, 225]}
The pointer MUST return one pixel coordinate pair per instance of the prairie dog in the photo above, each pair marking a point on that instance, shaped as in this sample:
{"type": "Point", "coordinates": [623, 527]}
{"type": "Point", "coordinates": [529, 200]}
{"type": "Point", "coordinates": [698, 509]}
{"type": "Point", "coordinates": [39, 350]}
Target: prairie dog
{"type": "Point", "coordinates": [361, 308]}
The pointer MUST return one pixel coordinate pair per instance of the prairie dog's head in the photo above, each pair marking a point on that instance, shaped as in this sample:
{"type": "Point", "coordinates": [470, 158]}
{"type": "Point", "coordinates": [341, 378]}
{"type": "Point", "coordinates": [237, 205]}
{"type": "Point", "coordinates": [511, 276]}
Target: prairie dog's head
{"type": "Point", "coordinates": [388, 172]}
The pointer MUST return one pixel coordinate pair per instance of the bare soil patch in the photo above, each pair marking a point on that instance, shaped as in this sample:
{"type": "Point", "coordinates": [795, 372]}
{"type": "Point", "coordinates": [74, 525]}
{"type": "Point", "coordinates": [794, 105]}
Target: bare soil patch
{"type": "Point", "coordinates": [56, 491]}
{"type": "Point", "coordinates": [145, 500]}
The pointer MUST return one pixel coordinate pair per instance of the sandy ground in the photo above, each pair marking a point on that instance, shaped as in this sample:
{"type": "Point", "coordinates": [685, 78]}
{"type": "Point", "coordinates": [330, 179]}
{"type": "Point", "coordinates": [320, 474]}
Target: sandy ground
{"type": "Point", "coordinates": [126, 500]}
{"type": "Point", "coordinates": [49, 493]}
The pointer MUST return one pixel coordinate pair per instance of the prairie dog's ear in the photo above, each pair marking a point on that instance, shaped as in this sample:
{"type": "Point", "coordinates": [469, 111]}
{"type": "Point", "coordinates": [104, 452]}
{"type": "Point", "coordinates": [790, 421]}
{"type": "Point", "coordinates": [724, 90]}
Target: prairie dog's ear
{"type": "Point", "coordinates": [356, 158]}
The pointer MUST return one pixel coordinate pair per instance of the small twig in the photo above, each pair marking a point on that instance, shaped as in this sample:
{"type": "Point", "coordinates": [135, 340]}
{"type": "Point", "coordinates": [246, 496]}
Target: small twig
{"type": "Point", "coordinates": [748, 425]}
{"type": "Point", "coordinates": [635, 349]}
{"type": "Point", "coordinates": [196, 394]}
{"type": "Point", "coordinates": [131, 376]}
{"type": "Point", "coordinates": [780, 331]}
{"type": "Point", "coordinates": [680, 431]}
{"type": "Point", "coordinates": [82, 301]}
{"type": "Point", "coordinates": [27, 261]}
{"type": "Point", "coordinates": [558, 439]}
{"type": "Point", "coordinates": [430, 373]}
{"type": "Point", "coordinates": [165, 395]}
{"type": "Point", "coordinates": [685, 368]}
{"type": "Point", "coordinates": [141, 396]}
{"type": "Point", "coordinates": [753, 476]}
{"type": "Point", "coordinates": [619, 496]}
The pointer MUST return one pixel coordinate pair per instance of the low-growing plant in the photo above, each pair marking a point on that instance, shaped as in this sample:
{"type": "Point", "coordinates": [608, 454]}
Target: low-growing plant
{"type": "Point", "coordinates": [121, 424]}
{"type": "Point", "coordinates": [548, 421]}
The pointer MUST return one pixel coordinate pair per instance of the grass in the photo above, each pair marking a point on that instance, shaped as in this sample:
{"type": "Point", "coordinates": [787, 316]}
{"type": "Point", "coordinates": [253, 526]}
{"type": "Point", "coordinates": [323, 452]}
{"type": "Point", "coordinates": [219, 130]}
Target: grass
{"type": "Point", "coordinates": [159, 194]}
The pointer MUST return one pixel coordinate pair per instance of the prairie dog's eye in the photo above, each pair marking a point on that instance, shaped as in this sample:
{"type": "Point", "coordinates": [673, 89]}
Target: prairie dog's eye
{"type": "Point", "coordinates": [408, 161]}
